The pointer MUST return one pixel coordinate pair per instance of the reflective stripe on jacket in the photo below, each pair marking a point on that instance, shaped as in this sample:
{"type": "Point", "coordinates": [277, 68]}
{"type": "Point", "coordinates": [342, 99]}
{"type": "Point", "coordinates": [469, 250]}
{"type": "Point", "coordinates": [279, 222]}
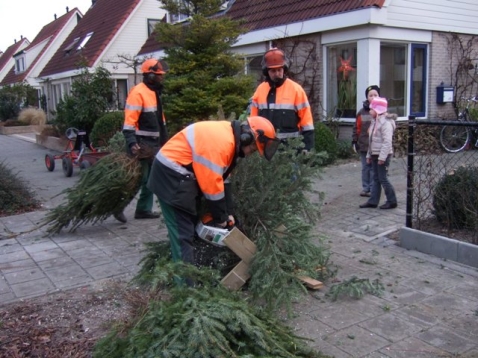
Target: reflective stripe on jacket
{"type": "Point", "coordinates": [141, 116]}
{"type": "Point", "coordinates": [291, 110]}
{"type": "Point", "coordinates": [202, 151]}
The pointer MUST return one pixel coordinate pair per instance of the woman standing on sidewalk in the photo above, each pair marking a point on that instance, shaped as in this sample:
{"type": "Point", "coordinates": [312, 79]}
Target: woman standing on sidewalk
{"type": "Point", "coordinates": [380, 153]}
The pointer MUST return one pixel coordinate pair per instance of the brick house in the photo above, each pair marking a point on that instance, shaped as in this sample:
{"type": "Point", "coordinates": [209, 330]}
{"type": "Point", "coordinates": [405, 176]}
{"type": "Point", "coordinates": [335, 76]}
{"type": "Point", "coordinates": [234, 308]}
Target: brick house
{"type": "Point", "coordinates": [409, 48]}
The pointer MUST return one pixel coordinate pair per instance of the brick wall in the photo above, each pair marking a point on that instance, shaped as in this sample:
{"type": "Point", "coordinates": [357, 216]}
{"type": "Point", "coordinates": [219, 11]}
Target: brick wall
{"type": "Point", "coordinates": [439, 72]}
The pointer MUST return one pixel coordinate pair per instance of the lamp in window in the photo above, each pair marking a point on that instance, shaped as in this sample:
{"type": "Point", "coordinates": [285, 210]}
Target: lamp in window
{"type": "Point", "coordinates": [347, 94]}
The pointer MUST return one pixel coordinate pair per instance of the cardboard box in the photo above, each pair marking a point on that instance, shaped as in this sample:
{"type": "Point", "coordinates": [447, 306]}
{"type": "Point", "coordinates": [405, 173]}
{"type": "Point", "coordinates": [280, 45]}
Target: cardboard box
{"type": "Point", "coordinates": [212, 234]}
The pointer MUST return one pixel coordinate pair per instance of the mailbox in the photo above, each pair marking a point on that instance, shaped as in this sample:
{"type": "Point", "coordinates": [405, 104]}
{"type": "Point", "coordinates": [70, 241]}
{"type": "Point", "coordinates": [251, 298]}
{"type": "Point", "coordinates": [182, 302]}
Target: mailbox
{"type": "Point", "coordinates": [445, 94]}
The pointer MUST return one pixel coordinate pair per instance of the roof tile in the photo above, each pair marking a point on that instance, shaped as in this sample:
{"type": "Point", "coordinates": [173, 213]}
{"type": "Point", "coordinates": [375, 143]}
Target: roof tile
{"type": "Point", "coordinates": [104, 19]}
{"type": "Point", "coordinates": [261, 14]}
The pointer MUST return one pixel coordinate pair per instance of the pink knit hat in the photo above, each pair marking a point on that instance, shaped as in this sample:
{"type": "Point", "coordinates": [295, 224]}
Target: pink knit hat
{"type": "Point", "coordinates": [379, 105]}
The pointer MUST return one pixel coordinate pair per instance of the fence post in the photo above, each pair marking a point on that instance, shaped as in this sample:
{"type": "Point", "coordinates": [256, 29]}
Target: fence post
{"type": "Point", "coordinates": [410, 158]}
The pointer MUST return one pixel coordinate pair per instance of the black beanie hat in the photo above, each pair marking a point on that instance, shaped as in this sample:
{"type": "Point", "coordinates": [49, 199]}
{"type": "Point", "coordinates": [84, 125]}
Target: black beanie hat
{"type": "Point", "coordinates": [373, 87]}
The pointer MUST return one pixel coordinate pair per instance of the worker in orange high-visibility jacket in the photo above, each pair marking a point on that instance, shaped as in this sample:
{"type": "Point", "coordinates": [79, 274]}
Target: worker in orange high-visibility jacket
{"type": "Point", "coordinates": [196, 161]}
{"type": "Point", "coordinates": [145, 125]}
{"type": "Point", "coordinates": [283, 101]}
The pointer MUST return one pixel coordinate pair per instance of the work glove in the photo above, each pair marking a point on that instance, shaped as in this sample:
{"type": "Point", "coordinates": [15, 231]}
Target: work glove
{"type": "Point", "coordinates": [354, 147]}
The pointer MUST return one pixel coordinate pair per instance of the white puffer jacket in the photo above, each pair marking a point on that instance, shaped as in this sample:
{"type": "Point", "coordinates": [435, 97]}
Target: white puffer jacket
{"type": "Point", "coordinates": [381, 135]}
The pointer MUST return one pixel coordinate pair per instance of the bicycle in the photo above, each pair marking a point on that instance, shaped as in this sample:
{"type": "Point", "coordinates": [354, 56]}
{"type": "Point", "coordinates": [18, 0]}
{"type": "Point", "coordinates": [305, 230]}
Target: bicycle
{"type": "Point", "coordinates": [454, 139]}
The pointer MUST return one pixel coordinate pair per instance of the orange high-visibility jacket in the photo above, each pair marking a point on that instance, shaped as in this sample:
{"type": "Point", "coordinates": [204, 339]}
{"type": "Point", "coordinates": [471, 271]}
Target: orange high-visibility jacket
{"type": "Point", "coordinates": [287, 107]}
{"type": "Point", "coordinates": [204, 151]}
{"type": "Point", "coordinates": [141, 123]}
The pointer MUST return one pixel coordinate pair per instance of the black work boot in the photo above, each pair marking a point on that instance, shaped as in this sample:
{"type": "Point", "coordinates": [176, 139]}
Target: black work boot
{"type": "Point", "coordinates": [146, 215]}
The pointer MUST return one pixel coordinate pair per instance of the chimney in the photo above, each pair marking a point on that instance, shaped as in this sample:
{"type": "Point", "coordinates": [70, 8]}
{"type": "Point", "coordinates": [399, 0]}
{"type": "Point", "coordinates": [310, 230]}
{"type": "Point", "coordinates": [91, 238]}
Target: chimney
{"type": "Point", "coordinates": [93, 2]}
{"type": "Point", "coordinates": [21, 37]}
{"type": "Point", "coordinates": [54, 15]}
{"type": "Point", "coordinates": [67, 10]}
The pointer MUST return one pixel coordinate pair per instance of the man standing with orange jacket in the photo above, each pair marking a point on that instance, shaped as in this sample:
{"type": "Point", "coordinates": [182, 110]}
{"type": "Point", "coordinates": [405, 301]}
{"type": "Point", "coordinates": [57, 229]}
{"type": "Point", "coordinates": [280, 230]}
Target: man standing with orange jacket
{"type": "Point", "coordinates": [195, 162]}
{"type": "Point", "coordinates": [144, 126]}
{"type": "Point", "coordinates": [283, 101]}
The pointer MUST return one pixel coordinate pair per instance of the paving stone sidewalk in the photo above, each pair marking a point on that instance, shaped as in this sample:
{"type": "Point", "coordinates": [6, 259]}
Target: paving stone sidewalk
{"type": "Point", "coordinates": [429, 309]}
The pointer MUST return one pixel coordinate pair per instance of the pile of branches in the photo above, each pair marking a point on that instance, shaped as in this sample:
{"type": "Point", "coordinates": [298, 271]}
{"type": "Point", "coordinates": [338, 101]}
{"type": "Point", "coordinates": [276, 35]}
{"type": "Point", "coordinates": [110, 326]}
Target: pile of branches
{"type": "Point", "coordinates": [202, 321]}
{"type": "Point", "coordinates": [104, 189]}
{"type": "Point", "coordinates": [15, 196]}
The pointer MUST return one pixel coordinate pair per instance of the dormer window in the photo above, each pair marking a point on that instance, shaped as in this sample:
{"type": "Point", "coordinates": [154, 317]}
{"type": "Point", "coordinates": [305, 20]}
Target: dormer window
{"type": "Point", "coordinates": [85, 40]}
{"type": "Point", "coordinates": [152, 25]}
{"type": "Point", "coordinates": [20, 64]}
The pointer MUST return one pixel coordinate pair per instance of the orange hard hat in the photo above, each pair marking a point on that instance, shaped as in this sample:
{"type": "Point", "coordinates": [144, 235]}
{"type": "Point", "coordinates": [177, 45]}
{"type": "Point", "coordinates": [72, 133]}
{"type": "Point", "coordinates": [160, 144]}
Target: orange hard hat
{"type": "Point", "coordinates": [152, 66]}
{"type": "Point", "coordinates": [265, 136]}
{"type": "Point", "coordinates": [274, 58]}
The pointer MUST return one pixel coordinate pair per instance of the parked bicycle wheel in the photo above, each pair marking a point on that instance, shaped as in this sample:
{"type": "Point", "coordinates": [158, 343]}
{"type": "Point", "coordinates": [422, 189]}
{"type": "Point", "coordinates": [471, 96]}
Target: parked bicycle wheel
{"type": "Point", "coordinates": [454, 138]}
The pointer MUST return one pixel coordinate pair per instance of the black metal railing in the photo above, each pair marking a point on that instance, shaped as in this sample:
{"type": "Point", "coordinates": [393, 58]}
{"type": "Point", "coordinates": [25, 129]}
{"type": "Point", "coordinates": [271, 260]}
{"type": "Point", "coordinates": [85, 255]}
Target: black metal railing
{"type": "Point", "coordinates": [442, 187]}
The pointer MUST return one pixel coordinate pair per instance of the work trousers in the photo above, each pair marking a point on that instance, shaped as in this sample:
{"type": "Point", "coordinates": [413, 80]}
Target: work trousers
{"type": "Point", "coordinates": [181, 230]}
{"type": "Point", "coordinates": [146, 197]}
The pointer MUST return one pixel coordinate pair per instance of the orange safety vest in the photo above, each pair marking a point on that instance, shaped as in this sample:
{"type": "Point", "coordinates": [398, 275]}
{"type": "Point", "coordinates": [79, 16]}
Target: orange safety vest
{"type": "Point", "coordinates": [205, 149]}
{"type": "Point", "coordinates": [141, 116]}
{"type": "Point", "coordinates": [290, 113]}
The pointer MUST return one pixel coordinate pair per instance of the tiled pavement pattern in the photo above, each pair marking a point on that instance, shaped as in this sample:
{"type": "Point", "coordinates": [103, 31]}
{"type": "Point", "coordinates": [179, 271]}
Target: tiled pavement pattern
{"type": "Point", "coordinates": [429, 309]}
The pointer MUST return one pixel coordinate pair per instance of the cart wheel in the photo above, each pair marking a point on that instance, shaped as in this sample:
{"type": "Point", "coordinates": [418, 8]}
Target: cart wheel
{"type": "Point", "coordinates": [85, 164]}
{"type": "Point", "coordinates": [50, 162]}
{"type": "Point", "coordinates": [67, 166]}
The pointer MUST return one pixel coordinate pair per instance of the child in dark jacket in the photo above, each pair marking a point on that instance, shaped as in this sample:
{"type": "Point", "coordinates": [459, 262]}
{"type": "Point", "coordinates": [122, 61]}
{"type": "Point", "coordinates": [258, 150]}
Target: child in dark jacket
{"type": "Point", "coordinates": [360, 137]}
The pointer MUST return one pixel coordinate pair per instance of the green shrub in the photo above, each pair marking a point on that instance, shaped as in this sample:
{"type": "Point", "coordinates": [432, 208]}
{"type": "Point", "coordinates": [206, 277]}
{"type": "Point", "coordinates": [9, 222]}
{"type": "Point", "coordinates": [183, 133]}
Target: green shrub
{"type": "Point", "coordinates": [473, 114]}
{"type": "Point", "coordinates": [325, 142]}
{"type": "Point", "coordinates": [455, 199]}
{"type": "Point", "coordinates": [15, 197]}
{"type": "Point", "coordinates": [117, 143]}
{"type": "Point", "coordinates": [344, 149]}
{"type": "Point", "coordinates": [106, 127]}
{"type": "Point", "coordinates": [91, 94]}
{"type": "Point", "coordinates": [13, 98]}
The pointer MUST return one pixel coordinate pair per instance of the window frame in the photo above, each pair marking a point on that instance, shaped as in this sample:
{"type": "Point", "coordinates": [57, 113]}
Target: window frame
{"type": "Point", "coordinates": [413, 47]}
{"type": "Point", "coordinates": [20, 65]}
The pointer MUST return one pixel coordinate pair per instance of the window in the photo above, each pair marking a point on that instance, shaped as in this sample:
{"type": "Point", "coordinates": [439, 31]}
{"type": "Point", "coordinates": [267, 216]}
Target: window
{"type": "Point", "coordinates": [85, 40]}
{"type": "Point", "coordinates": [19, 64]}
{"type": "Point", "coordinates": [178, 17]}
{"type": "Point", "coordinates": [254, 68]}
{"type": "Point", "coordinates": [342, 80]}
{"type": "Point", "coordinates": [418, 80]}
{"type": "Point", "coordinates": [393, 76]}
{"type": "Point", "coordinates": [121, 93]}
{"type": "Point", "coordinates": [151, 25]}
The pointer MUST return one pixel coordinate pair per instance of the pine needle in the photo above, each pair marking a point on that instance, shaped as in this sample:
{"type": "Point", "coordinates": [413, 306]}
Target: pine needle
{"type": "Point", "coordinates": [104, 189]}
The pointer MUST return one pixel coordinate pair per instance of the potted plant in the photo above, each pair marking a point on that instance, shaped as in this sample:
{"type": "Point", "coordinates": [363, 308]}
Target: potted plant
{"type": "Point", "coordinates": [347, 94]}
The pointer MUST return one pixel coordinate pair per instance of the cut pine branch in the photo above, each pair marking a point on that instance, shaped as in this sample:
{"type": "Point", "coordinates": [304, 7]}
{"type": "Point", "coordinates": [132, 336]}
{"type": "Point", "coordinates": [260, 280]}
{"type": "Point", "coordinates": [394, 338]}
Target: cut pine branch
{"type": "Point", "coordinates": [103, 190]}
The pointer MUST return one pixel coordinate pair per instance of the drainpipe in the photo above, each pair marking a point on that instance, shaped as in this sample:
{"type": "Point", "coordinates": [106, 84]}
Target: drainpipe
{"type": "Point", "coordinates": [410, 158]}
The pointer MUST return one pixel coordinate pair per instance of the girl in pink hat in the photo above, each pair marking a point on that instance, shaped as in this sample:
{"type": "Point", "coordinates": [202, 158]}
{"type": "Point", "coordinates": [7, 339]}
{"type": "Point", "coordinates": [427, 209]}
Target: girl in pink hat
{"type": "Point", "coordinates": [379, 154]}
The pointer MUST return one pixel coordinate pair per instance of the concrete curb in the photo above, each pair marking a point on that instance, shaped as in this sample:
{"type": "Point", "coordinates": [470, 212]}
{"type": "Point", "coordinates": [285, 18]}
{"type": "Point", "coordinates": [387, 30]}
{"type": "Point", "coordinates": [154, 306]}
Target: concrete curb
{"type": "Point", "coordinates": [439, 246]}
